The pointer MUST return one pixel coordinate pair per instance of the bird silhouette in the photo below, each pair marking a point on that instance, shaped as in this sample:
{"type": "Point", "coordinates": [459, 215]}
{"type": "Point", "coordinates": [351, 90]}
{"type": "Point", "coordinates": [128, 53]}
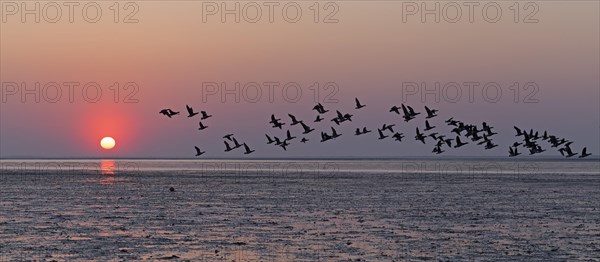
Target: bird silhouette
{"type": "Point", "coordinates": [202, 126]}
{"type": "Point", "coordinates": [381, 135]}
{"type": "Point", "coordinates": [430, 112]}
{"type": "Point", "coordinates": [388, 127]}
{"type": "Point", "coordinates": [289, 136]}
{"type": "Point", "coordinates": [420, 136]}
{"type": "Point", "coordinates": [294, 120]}
{"type": "Point", "coordinates": [513, 152]}
{"type": "Point", "coordinates": [335, 133]}
{"type": "Point", "coordinates": [269, 139]}
{"type": "Point", "coordinates": [304, 140]}
{"type": "Point", "coordinates": [227, 147]}
{"type": "Point", "coordinates": [318, 119]}
{"type": "Point", "coordinates": [459, 143]}
{"type": "Point", "coordinates": [584, 153]}
{"type": "Point", "coordinates": [306, 128]}
{"type": "Point", "coordinates": [438, 149]}
{"type": "Point", "coordinates": [204, 115]}
{"type": "Point", "coordinates": [365, 130]}
{"type": "Point", "coordinates": [198, 152]}
{"type": "Point", "coordinates": [427, 126]}
{"type": "Point", "coordinates": [358, 105]}
{"type": "Point", "coordinates": [236, 144]}
{"type": "Point", "coordinates": [276, 123]}
{"type": "Point", "coordinates": [228, 137]}
{"type": "Point", "coordinates": [320, 109]}
{"type": "Point", "coordinates": [168, 112]}
{"type": "Point", "coordinates": [248, 151]}
{"type": "Point", "coordinates": [191, 112]}
{"type": "Point", "coordinates": [395, 109]}
{"type": "Point", "coordinates": [357, 132]}
{"type": "Point", "coordinates": [398, 136]}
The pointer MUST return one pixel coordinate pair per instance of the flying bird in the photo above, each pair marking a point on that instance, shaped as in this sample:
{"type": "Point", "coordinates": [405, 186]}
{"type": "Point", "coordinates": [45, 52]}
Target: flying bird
{"type": "Point", "coordinates": [269, 139]}
{"type": "Point", "coordinates": [304, 140]}
{"type": "Point", "coordinates": [168, 112]}
{"type": "Point", "coordinates": [248, 151]}
{"type": "Point", "coordinates": [584, 153]}
{"type": "Point", "coordinates": [427, 126]}
{"type": "Point", "coordinates": [228, 137]}
{"type": "Point", "coordinates": [430, 112]}
{"type": "Point", "coordinates": [294, 120]}
{"type": "Point", "coordinates": [513, 152]}
{"type": "Point", "coordinates": [276, 123]}
{"type": "Point", "coordinates": [459, 143]}
{"type": "Point", "coordinates": [227, 147]}
{"type": "Point", "coordinates": [358, 105]}
{"type": "Point", "coordinates": [307, 129]}
{"type": "Point", "coordinates": [191, 112]}
{"type": "Point", "coordinates": [202, 126]}
{"type": "Point", "coordinates": [198, 152]}
{"type": "Point", "coordinates": [204, 115]}
{"type": "Point", "coordinates": [420, 136]}
{"type": "Point", "coordinates": [381, 135]}
{"type": "Point", "coordinates": [319, 118]}
{"type": "Point", "coordinates": [289, 136]}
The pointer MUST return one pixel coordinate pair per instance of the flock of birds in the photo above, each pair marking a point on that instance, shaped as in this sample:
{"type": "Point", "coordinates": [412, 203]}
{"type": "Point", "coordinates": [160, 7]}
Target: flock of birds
{"type": "Point", "coordinates": [479, 135]}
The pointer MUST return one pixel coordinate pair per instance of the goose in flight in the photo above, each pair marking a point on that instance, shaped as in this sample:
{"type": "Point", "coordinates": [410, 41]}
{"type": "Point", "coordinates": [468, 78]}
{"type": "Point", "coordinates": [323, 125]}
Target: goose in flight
{"type": "Point", "coordinates": [584, 153]}
{"type": "Point", "coordinates": [513, 152]}
{"type": "Point", "coordinates": [420, 136]}
{"type": "Point", "coordinates": [284, 145]}
{"type": "Point", "coordinates": [202, 126]}
{"type": "Point", "coordinates": [276, 123]}
{"type": "Point", "coordinates": [318, 119]}
{"type": "Point", "coordinates": [320, 109]}
{"type": "Point", "coordinates": [307, 129]}
{"type": "Point", "coordinates": [452, 122]}
{"type": "Point", "coordinates": [459, 143]}
{"type": "Point", "coordinates": [304, 140]}
{"type": "Point", "coordinates": [358, 105]}
{"type": "Point", "coordinates": [398, 136]}
{"type": "Point", "coordinates": [248, 151]}
{"type": "Point", "coordinates": [519, 132]}
{"type": "Point", "coordinates": [357, 132]}
{"type": "Point", "coordinates": [567, 150]}
{"type": "Point", "coordinates": [289, 136]}
{"type": "Point", "coordinates": [191, 112]}
{"type": "Point", "coordinates": [431, 113]}
{"type": "Point", "coordinates": [438, 150]}
{"type": "Point", "coordinates": [395, 109]}
{"type": "Point", "coordinates": [204, 115]}
{"type": "Point", "coordinates": [236, 144]}
{"type": "Point", "coordinates": [227, 147]}
{"type": "Point", "coordinates": [427, 126]}
{"type": "Point", "coordinates": [269, 140]}
{"type": "Point", "coordinates": [325, 137]}
{"type": "Point", "coordinates": [409, 113]}
{"type": "Point", "coordinates": [364, 130]}
{"type": "Point", "coordinates": [198, 152]}
{"type": "Point", "coordinates": [335, 133]}
{"type": "Point", "coordinates": [490, 145]}
{"type": "Point", "coordinates": [294, 120]}
{"type": "Point", "coordinates": [388, 127]}
{"type": "Point", "coordinates": [228, 137]}
{"type": "Point", "coordinates": [168, 112]}
{"type": "Point", "coordinates": [381, 135]}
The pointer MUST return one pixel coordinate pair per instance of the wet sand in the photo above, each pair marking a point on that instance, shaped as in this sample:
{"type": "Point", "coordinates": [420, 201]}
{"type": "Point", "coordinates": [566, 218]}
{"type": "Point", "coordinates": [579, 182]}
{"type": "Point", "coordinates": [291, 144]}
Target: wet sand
{"type": "Point", "coordinates": [318, 217]}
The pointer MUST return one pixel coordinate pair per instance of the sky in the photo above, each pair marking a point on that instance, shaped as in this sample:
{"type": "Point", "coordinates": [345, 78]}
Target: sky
{"type": "Point", "coordinates": [116, 70]}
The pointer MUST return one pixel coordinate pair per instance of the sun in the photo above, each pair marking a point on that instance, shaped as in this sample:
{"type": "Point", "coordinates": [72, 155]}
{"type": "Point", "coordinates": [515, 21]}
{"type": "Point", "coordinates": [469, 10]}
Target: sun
{"type": "Point", "coordinates": [107, 142]}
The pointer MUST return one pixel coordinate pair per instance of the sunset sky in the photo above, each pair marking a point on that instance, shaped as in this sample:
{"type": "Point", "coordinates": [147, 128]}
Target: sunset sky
{"type": "Point", "coordinates": [369, 53]}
